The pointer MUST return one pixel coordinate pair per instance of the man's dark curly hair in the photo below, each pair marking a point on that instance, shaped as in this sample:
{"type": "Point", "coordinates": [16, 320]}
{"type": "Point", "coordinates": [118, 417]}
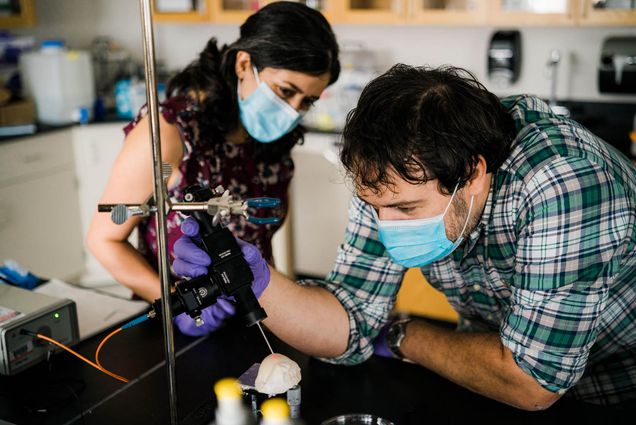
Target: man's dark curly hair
{"type": "Point", "coordinates": [282, 35]}
{"type": "Point", "coordinates": [424, 124]}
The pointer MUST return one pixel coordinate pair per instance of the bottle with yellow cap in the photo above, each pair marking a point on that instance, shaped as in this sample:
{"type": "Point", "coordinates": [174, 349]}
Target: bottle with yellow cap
{"type": "Point", "coordinates": [275, 411]}
{"type": "Point", "coordinates": [230, 409]}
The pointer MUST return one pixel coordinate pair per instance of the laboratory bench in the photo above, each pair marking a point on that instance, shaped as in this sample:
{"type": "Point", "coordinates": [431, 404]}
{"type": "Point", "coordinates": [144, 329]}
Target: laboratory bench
{"type": "Point", "coordinates": [65, 390]}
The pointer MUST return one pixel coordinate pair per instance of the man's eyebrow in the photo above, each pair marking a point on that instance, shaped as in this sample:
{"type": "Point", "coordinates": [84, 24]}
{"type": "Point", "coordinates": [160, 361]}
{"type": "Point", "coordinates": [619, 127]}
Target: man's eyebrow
{"type": "Point", "coordinates": [393, 204]}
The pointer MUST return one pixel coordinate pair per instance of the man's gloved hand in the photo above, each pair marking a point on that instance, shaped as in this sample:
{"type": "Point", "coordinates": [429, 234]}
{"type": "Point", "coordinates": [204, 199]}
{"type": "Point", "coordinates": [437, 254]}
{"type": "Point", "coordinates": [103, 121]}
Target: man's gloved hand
{"type": "Point", "coordinates": [394, 332]}
{"type": "Point", "coordinates": [192, 261]}
{"type": "Point", "coordinates": [380, 344]}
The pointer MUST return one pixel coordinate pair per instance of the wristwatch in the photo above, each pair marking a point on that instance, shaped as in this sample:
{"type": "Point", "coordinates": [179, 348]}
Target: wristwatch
{"type": "Point", "coordinates": [395, 335]}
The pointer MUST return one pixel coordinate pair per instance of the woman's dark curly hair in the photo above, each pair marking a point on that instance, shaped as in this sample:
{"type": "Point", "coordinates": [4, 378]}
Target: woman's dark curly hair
{"type": "Point", "coordinates": [424, 124]}
{"type": "Point", "coordinates": [282, 35]}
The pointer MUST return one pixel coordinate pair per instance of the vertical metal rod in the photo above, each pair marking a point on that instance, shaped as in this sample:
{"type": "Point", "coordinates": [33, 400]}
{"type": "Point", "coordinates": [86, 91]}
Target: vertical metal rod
{"type": "Point", "coordinates": [553, 63]}
{"type": "Point", "coordinates": [162, 248]}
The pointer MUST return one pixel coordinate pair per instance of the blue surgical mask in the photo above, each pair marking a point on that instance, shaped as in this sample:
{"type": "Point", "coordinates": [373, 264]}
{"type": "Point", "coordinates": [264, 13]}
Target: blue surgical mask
{"type": "Point", "coordinates": [265, 116]}
{"type": "Point", "coordinates": [419, 242]}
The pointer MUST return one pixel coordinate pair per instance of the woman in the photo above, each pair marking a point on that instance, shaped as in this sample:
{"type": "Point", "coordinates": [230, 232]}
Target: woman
{"type": "Point", "coordinates": [231, 119]}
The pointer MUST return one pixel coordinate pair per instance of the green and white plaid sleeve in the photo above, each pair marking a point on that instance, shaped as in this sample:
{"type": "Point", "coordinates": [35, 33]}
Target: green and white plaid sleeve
{"type": "Point", "coordinates": [573, 217]}
{"type": "Point", "coordinates": [365, 281]}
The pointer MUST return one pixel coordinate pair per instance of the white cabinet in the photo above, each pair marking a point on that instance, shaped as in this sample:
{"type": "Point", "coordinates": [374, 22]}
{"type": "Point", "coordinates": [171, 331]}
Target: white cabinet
{"type": "Point", "coordinates": [95, 147]}
{"type": "Point", "coordinates": [39, 210]}
{"type": "Point", "coordinates": [319, 204]}
{"type": "Point", "coordinates": [50, 185]}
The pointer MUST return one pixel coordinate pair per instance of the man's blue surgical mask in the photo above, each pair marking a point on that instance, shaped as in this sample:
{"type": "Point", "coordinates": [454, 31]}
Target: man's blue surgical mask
{"type": "Point", "coordinates": [265, 116]}
{"type": "Point", "coordinates": [418, 242]}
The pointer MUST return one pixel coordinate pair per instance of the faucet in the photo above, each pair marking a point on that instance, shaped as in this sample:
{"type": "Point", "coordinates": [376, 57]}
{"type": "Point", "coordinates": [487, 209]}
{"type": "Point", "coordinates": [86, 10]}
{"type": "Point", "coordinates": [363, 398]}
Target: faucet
{"type": "Point", "coordinates": [619, 63]}
{"type": "Point", "coordinates": [551, 68]}
{"type": "Point", "coordinates": [552, 65]}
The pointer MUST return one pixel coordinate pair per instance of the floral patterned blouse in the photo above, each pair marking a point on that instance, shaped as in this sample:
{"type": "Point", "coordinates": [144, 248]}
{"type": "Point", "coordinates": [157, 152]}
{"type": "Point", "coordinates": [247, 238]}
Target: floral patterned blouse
{"type": "Point", "coordinates": [218, 162]}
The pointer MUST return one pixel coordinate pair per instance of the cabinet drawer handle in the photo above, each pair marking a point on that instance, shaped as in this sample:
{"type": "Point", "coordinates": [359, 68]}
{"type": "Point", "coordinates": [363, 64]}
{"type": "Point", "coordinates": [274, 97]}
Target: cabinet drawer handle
{"type": "Point", "coordinates": [32, 157]}
{"type": "Point", "coordinates": [5, 215]}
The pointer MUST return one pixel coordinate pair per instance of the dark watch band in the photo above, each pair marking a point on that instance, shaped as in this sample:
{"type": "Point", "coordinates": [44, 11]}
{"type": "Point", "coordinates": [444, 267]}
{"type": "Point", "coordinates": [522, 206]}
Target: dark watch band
{"type": "Point", "coordinates": [395, 336]}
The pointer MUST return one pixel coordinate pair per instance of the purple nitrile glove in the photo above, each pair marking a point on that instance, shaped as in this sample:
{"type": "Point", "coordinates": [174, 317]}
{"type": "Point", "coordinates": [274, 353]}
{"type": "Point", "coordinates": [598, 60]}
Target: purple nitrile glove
{"type": "Point", "coordinates": [192, 261]}
{"type": "Point", "coordinates": [380, 344]}
{"type": "Point", "coordinates": [258, 265]}
{"type": "Point", "coordinates": [213, 317]}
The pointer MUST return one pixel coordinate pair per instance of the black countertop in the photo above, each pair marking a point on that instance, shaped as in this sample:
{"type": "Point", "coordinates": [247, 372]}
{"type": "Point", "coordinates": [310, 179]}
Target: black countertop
{"type": "Point", "coordinates": [67, 391]}
{"type": "Point", "coordinates": [611, 122]}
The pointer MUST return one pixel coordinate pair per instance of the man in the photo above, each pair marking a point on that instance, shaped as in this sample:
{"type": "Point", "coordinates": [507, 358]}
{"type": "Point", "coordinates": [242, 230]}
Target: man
{"type": "Point", "coordinates": [524, 219]}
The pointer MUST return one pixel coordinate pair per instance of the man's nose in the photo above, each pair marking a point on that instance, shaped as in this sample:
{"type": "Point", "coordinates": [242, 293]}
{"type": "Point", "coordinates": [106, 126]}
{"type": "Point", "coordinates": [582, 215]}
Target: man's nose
{"type": "Point", "coordinates": [386, 214]}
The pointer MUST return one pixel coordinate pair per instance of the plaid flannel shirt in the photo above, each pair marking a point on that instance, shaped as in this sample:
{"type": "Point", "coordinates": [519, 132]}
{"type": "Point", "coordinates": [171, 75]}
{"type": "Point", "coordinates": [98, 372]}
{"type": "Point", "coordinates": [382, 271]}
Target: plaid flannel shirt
{"type": "Point", "coordinates": [551, 266]}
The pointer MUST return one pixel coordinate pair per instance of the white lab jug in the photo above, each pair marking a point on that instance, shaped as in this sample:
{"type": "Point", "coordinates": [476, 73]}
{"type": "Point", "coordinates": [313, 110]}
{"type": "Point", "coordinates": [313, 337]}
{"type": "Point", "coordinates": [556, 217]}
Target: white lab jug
{"type": "Point", "coordinates": [60, 81]}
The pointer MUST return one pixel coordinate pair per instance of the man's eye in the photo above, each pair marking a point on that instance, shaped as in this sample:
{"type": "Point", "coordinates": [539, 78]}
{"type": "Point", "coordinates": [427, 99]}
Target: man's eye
{"type": "Point", "coordinates": [406, 209]}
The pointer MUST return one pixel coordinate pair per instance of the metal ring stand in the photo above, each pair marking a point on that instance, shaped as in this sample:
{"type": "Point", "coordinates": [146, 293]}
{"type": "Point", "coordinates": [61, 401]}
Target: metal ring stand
{"type": "Point", "coordinates": [159, 193]}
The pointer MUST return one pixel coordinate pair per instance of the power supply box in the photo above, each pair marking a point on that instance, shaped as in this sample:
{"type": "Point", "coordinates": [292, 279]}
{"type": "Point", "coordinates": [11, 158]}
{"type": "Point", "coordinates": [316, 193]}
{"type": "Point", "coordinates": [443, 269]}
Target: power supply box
{"type": "Point", "coordinates": [26, 310]}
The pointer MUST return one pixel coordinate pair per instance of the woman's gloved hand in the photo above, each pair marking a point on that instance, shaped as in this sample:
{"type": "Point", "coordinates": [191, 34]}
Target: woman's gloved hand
{"type": "Point", "coordinates": [213, 317]}
{"type": "Point", "coordinates": [192, 261]}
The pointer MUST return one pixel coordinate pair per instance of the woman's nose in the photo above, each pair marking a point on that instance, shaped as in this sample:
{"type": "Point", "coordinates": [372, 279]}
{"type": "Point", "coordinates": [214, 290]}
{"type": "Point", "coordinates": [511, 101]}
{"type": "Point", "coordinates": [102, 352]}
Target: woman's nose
{"type": "Point", "coordinates": [296, 102]}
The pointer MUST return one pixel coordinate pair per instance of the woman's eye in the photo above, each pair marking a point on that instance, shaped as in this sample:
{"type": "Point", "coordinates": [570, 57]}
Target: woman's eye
{"type": "Point", "coordinates": [287, 92]}
{"type": "Point", "coordinates": [308, 103]}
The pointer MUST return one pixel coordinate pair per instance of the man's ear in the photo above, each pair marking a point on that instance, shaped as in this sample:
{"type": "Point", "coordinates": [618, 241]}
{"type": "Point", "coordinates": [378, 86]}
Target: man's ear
{"type": "Point", "coordinates": [243, 64]}
{"type": "Point", "coordinates": [480, 180]}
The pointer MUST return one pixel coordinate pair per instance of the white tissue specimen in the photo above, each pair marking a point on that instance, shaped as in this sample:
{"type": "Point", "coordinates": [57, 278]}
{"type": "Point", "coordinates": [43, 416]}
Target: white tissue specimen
{"type": "Point", "coordinates": [277, 374]}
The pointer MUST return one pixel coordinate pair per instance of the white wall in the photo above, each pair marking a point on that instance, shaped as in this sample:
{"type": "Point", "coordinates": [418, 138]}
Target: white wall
{"type": "Point", "coordinates": [78, 21]}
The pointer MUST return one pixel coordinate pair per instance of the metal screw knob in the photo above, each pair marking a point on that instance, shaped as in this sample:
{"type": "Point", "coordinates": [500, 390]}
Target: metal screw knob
{"type": "Point", "coordinates": [119, 214]}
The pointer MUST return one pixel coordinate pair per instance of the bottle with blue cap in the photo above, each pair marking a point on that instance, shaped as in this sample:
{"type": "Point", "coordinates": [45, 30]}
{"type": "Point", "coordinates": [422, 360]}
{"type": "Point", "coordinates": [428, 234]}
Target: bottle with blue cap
{"type": "Point", "coordinates": [60, 81]}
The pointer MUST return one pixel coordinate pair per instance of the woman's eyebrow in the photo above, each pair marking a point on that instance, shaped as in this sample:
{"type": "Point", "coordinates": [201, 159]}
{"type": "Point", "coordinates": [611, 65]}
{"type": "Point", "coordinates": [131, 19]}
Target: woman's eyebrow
{"type": "Point", "coordinates": [293, 86]}
{"type": "Point", "coordinates": [298, 90]}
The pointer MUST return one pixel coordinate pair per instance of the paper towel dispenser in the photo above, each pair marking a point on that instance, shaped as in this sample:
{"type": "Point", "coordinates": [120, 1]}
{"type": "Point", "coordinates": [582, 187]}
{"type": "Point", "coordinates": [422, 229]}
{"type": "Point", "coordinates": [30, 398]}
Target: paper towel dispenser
{"type": "Point", "coordinates": [617, 67]}
{"type": "Point", "coordinates": [504, 58]}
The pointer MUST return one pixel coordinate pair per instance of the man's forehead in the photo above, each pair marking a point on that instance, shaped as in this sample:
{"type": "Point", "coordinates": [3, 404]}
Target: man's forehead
{"type": "Point", "coordinates": [385, 191]}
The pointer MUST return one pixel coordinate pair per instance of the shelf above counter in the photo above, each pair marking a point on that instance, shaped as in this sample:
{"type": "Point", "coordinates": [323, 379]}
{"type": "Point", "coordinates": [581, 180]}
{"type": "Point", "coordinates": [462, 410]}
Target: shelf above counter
{"type": "Point", "coordinates": [423, 12]}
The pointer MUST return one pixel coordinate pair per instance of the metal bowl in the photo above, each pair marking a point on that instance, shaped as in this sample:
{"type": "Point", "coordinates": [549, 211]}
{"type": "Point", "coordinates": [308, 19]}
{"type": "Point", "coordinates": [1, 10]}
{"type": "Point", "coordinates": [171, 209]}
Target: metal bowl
{"type": "Point", "coordinates": [356, 419]}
